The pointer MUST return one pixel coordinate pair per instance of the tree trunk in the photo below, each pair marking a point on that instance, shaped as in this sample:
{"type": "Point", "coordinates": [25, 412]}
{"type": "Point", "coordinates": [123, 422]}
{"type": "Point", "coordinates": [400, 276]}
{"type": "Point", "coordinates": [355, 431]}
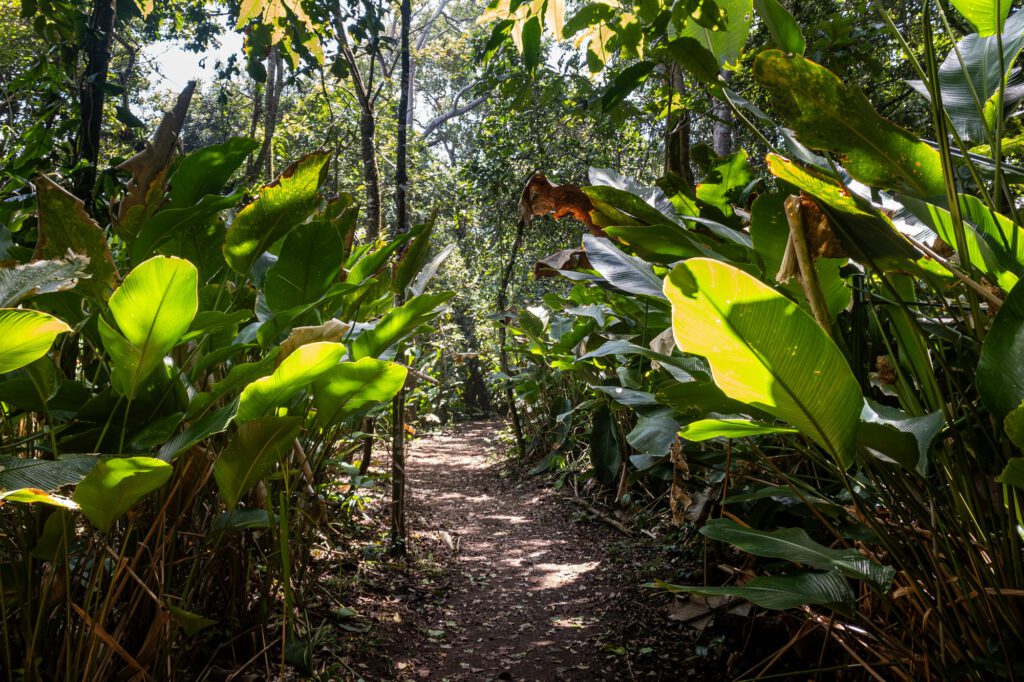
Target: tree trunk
{"type": "Point", "coordinates": [677, 133]}
{"type": "Point", "coordinates": [367, 134]}
{"type": "Point", "coordinates": [510, 396]}
{"type": "Point", "coordinates": [398, 531]}
{"type": "Point", "coordinates": [722, 134]}
{"type": "Point", "coordinates": [275, 84]}
{"type": "Point", "coordinates": [99, 36]}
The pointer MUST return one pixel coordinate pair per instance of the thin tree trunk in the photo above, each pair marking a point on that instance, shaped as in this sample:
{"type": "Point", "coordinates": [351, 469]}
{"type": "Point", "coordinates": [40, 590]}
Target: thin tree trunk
{"type": "Point", "coordinates": [722, 133]}
{"type": "Point", "coordinates": [275, 84]}
{"type": "Point", "coordinates": [677, 133]}
{"type": "Point", "coordinates": [99, 36]}
{"type": "Point", "coordinates": [367, 135]}
{"type": "Point", "coordinates": [510, 396]}
{"type": "Point", "coordinates": [398, 531]}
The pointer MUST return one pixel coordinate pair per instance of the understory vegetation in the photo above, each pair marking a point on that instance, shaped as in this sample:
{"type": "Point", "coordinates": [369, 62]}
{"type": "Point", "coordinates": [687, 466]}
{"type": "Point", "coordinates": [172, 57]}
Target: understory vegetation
{"type": "Point", "coordinates": [742, 271]}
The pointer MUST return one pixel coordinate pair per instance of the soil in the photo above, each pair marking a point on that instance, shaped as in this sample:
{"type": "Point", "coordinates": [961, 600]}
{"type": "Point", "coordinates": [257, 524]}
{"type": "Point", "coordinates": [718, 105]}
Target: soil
{"type": "Point", "coordinates": [507, 579]}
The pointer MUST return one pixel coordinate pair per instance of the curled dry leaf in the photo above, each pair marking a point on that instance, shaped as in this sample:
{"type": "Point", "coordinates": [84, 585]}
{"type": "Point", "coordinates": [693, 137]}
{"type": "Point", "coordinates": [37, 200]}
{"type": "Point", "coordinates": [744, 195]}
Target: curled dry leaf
{"type": "Point", "coordinates": [331, 330]}
{"type": "Point", "coordinates": [567, 259]}
{"type": "Point", "coordinates": [540, 198]}
{"type": "Point", "coordinates": [145, 190]}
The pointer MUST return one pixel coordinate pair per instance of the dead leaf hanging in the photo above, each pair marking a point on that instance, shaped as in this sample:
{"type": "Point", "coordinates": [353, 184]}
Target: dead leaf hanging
{"type": "Point", "coordinates": [541, 198]}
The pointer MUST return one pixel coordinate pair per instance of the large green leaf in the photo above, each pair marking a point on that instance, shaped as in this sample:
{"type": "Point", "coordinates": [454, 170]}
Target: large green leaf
{"type": "Point", "coordinates": [986, 16]}
{"type": "Point", "coordinates": [310, 261]}
{"type": "Point", "coordinates": [280, 207]}
{"type": "Point", "coordinates": [970, 76]}
{"type": "Point", "coordinates": [622, 271]}
{"type": "Point", "coordinates": [375, 261]}
{"type": "Point", "coordinates": [893, 434]}
{"type": "Point", "coordinates": [153, 308]}
{"type": "Point", "coordinates": [725, 181]}
{"type": "Point", "coordinates": [1000, 375]}
{"type": "Point", "coordinates": [793, 544]}
{"type": "Point", "coordinates": [986, 248]}
{"type": "Point", "coordinates": [170, 223]}
{"type": "Point", "coordinates": [654, 433]}
{"type": "Point", "coordinates": [115, 485]}
{"type": "Point", "coordinates": [781, 24]}
{"type": "Point", "coordinates": [352, 387]}
{"type": "Point", "coordinates": [765, 351]}
{"type": "Point", "coordinates": [785, 592]}
{"type": "Point", "coordinates": [206, 170]}
{"type": "Point", "coordinates": [727, 43]}
{"type": "Point", "coordinates": [26, 336]}
{"type": "Point", "coordinates": [46, 474]}
{"type": "Point", "coordinates": [397, 324]}
{"type": "Point", "coordinates": [252, 453]}
{"type": "Point", "coordinates": [826, 114]}
{"type": "Point", "coordinates": [605, 456]}
{"type": "Point", "coordinates": [20, 281]}
{"type": "Point", "coordinates": [65, 226]}
{"type": "Point", "coordinates": [297, 371]}
{"type": "Point", "coordinates": [706, 429]}
{"type": "Point", "coordinates": [866, 234]}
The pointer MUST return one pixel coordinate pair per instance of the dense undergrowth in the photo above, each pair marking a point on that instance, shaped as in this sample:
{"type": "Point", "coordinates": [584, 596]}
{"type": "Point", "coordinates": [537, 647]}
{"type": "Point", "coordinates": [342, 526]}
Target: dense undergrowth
{"type": "Point", "coordinates": [818, 364]}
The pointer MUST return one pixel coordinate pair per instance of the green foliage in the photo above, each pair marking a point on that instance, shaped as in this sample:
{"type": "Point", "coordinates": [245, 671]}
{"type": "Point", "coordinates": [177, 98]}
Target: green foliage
{"type": "Point", "coordinates": [116, 485]}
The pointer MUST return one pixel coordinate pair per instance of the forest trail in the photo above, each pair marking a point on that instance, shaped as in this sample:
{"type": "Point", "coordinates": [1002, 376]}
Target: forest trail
{"type": "Point", "coordinates": [531, 590]}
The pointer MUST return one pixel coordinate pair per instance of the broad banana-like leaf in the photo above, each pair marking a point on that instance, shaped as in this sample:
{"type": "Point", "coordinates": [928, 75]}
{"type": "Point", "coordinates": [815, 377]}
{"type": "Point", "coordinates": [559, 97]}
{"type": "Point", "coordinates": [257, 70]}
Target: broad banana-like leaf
{"type": "Point", "coordinates": [605, 456]}
{"type": "Point", "coordinates": [726, 43]}
{"type": "Point", "coordinates": [622, 271]}
{"type": "Point", "coordinates": [252, 454]}
{"type": "Point", "coordinates": [206, 170]}
{"type": "Point", "coordinates": [867, 235]}
{"type": "Point", "coordinates": [1013, 473]}
{"type": "Point", "coordinates": [65, 226]}
{"type": "Point", "coordinates": [986, 16]}
{"type": "Point", "coordinates": [28, 472]}
{"type": "Point", "coordinates": [153, 308]}
{"type": "Point", "coordinates": [297, 371]}
{"type": "Point", "coordinates": [26, 336]}
{"type": "Point", "coordinates": [986, 248]}
{"type": "Point", "coordinates": [765, 351]}
{"type": "Point", "coordinates": [1000, 375]}
{"type": "Point", "coordinates": [352, 387]}
{"type": "Point", "coordinates": [781, 24]}
{"type": "Point", "coordinates": [398, 324]}
{"type": "Point", "coordinates": [36, 496]}
{"type": "Point", "coordinates": [826, 114]}
{"type": "Point", "coordinates": [970, 76]}
{"type": "Point", "coordinates": [784, 592]}
{"type": "Point", "coordinates": [116, 484]}
{"type": "Point", "coordinates": [654, 433]}
{"type": "Point", "coordinates": [21, 281]}
{"type": "Point", "coordinates": [170, 222]}
{"type": "Point", "coordinates": [893, 434]}
{"type": "Point", "coordinates": [725, 181]}
{"type": "Point", "coordinates": [794, 544]}
{"type": "Point", "coordinates": [309, 262]}
{"type": "Point", "coordinates": [706, 429]}
{"type": "Point", "coordinates": [1014, 426]}
{"type": "Point", "coordinates": [280, 207]}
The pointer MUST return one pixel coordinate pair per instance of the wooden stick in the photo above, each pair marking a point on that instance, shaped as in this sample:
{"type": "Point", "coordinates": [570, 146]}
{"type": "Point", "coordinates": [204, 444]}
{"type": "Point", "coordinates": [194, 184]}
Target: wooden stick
{"type": "Point", "coordinates": [601, 516]}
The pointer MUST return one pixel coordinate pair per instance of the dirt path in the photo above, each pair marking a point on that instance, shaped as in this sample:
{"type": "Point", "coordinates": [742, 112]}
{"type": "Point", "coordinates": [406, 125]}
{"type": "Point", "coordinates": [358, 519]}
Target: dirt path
{"type": "Point", "coordinates": [527, 589]}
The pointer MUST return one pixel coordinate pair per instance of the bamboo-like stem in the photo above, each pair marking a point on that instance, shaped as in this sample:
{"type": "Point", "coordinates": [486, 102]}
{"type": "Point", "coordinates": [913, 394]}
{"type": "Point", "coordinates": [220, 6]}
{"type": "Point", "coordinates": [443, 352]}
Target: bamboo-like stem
{"type": "Point", "coordinates": [808, 275]}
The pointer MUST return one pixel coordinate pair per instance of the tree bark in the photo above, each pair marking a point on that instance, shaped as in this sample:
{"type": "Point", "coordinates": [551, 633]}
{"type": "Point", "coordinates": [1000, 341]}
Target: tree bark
{"type": "Point", "coordinates": [99, 37]}
{"type": "Point", "coordinates": [398, 531]}
{"type": "Point", "coordinates": [510, 396]}
{"type": "Point", "coordinates": [275, 84]}
{"type": "Point", "coordinates": [722, 133]}
{"type": "Point", "coordinates": [677, 133]}
{"type": "Point", "coordinates": [367, 134]}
